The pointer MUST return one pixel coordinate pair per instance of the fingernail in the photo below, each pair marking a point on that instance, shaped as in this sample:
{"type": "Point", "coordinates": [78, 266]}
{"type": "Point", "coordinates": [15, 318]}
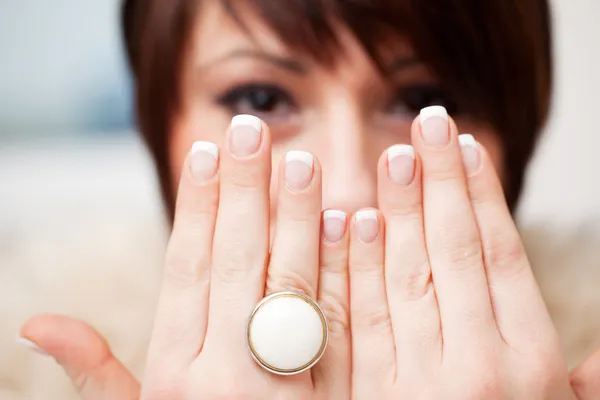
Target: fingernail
{"type": "Point", "coordinates": [334, 225]}
{"type": "Point", "coordinates": [401, 164]}
{"type": "Point", "coordinates": [470, 153]}
{"type": "Point", "coordinates": [245, 135]}
{"type": "Point", "coordinates": [298, 169]}
{"type": "Point", "coordinates": [204, 161]}
{"type": "Point", "coordinates": [32, 346]}
{"type": "Point", "coordinates": [434, 126]}
{"type": "Point", "coordinates": [367, 225]}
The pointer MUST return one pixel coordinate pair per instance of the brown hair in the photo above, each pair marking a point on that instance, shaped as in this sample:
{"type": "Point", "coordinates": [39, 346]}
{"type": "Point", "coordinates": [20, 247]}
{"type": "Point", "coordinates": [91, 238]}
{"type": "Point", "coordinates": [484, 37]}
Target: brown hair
{"type": "Point", "coordinates": [494, 56]}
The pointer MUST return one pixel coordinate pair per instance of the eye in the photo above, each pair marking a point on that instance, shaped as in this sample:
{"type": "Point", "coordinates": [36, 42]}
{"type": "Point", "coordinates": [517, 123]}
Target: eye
{"type": "Point", "coordinates": [410, 100]}
{"type": "Point", "coordinates": [263, 100]}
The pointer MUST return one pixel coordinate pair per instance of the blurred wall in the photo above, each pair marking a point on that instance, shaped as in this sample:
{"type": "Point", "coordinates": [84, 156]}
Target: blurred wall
{"type": "Point", "coordinates": [61, 68]}
{"type": "Point", "coordinates": [62, 73]}
{"type": "Point", "coordinates": [564, 179]}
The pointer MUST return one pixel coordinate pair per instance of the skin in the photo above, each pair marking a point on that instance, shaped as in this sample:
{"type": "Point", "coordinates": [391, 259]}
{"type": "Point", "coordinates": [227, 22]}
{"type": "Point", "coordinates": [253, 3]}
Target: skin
{"type": "Point", "coordinates": [423, 303]}
{"type": "Point", "coordinates": [341, 116]}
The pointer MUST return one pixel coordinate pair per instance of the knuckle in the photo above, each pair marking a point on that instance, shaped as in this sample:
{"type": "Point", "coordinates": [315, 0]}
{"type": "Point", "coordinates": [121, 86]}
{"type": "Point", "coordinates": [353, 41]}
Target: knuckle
{"type": "Point", "coordinates": [290, 279]}
{"type": "Point", "coordinates": [463, 254]}
{"type": "Point", "coordinates": [456, 241]}
{"type": "Point", "coordinates": [375, 318]}
{"type": "Point", "coordinates": [236, 261]}
{"type": "Point", "coordinates": [335, 263]}
{"type": "Point", "coordinates": [337, 313]}
{"type": "Point", "coordinates": [414, 284]}
{"type": "Point", "coordinates": [503, 253]}
{"type": "Point", "coordinates": [184, 267]}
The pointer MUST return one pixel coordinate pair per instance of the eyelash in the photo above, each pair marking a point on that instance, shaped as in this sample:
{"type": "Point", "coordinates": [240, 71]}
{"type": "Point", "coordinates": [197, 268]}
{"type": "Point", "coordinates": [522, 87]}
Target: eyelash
{"type": "Point", "coordinates": [272, 97]}
{"type": "Point", "coordinates": [271, 102]}
{"type": "Point", "coordinates": [414, 98]}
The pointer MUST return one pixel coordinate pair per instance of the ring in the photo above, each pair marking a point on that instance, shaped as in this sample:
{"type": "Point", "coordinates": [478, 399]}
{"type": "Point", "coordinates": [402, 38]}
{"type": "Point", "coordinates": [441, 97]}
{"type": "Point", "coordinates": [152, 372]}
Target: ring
{"type": "Point", "coordinates": [287, 333]}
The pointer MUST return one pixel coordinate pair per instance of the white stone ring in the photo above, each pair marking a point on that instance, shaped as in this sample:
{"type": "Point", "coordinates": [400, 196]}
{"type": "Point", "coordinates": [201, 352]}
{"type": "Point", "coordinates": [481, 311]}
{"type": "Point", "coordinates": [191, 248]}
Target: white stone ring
{"type": "Point", "coordinates": [287, 333]}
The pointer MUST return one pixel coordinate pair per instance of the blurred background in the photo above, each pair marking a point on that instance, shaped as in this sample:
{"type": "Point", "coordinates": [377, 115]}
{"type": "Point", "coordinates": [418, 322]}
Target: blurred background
{"type": "Point", "coordinates": [79, 203]}
{"type": "Point", "coordinates": [64, 82]}
{"type": "Point", "coordinates": [63, 71]}
{"type": "Point", "coordinates": [67, 141]}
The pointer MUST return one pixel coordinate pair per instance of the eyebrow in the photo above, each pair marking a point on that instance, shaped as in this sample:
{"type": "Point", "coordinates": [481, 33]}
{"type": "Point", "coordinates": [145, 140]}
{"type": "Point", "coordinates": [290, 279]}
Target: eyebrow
{"type": "Point", "coordinates": [281, 62]}
{"type": "Point", "coordinates": [401, 63]}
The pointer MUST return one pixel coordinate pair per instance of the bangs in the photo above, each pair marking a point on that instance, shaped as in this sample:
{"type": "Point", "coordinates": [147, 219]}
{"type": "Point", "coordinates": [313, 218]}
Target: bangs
{"type": "Point", "coordinates": [493, 57]}
{"type": "Point", "coordinates": [312, 26]}
{"type": "Point", "coordinates": [473, 47]}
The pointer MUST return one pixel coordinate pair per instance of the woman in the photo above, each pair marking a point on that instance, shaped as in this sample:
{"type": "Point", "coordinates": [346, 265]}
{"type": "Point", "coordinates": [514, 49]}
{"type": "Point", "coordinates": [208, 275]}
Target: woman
{"type": "Point", "coordinates": [416, 263]}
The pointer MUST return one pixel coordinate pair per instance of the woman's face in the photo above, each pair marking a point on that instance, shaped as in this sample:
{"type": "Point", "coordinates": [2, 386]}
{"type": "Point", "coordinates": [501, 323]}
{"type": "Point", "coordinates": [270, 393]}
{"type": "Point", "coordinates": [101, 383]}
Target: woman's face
{"type": "Point", "coordinates": [346, 115]}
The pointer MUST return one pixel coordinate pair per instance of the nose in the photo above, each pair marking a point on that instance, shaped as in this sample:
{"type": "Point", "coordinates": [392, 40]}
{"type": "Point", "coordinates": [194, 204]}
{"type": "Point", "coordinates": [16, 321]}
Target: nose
{"type": "Point", "coordinates": [349, 162]}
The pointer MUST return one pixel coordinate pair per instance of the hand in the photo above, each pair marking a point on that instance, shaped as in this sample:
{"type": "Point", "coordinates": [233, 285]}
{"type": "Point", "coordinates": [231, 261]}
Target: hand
{"type": "Point", "coordinates": [218, 267]}
{"type": "Point", "coordinates": [418, 329]}
{"type": "Point", "coordinates": [444, 305]}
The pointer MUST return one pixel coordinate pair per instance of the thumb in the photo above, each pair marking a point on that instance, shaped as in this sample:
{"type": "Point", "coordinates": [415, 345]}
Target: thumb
{"type": "Point", "coordinates": [585, 379]}
{"type": "Point", "coordinates": [84, 355]}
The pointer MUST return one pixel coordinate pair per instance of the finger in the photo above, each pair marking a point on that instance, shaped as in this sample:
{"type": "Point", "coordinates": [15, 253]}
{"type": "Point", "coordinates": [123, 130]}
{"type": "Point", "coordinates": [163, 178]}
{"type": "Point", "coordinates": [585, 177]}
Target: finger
{"type": "Point", "coordinates": [241, 241]}
{"type": "Point", "coordinates": [585, 379]}
{"type": "Point", "coordinates": [333, 371]}
{"type": "Point", "coordinates": [84, 355]}
{"type": "Point", "coordinates": [295, 253]}
{"type": "Point", "coordinates": [518, 306]}
{"type": "Point", "coordinates": [374, 355]}
{"type": "Point", "coordinates": [411, 297]}
{"type": "Point", "coordinates": [451, 233]}
{"type": "Point", "coordinates": [182, 313]}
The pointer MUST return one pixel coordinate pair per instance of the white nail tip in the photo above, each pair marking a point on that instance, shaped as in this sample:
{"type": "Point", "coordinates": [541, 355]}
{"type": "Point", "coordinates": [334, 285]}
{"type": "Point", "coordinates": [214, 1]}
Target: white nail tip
{"type": "Point", "coordinates": [247, 120]}
{"type": "Point", "coordinates": [206, 147]}
{"type": "Point", "coordinates": [433, 111]}
{"type": "Point", "coordinates": [366, 215]}
{"type": "Point", "coordinates": [301, 156]}
{"type": "Point", "coordinates": [335, 214]}
{"type": "Point", "coordinates": [31, 346]}
{"type": "Point", "coordinates": [467, 140]}
{"type": "Point", "coordinates": [400, 150]}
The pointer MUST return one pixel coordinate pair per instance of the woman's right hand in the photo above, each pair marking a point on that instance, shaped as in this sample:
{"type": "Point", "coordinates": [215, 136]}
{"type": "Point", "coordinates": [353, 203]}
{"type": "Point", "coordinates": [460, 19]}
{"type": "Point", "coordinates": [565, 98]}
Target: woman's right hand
{"type": "Point", "coordinates": [219, 265]}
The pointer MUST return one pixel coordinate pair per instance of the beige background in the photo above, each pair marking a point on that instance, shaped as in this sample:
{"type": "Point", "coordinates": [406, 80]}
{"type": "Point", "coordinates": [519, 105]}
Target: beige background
{"type": "Point", "coordinates": [565, 177]}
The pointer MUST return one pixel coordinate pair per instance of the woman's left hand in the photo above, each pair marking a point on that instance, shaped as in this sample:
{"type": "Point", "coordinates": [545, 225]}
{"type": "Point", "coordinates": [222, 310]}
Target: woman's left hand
{"type": "Point", "coordinates": [443, 300]}
{"type": "Point", "coordinates": [444, 304]}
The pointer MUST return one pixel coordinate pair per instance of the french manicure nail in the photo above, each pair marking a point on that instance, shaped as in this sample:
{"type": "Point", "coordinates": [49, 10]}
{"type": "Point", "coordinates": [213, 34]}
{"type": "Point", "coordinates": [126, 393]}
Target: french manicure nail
{"type": "Point", "coordinates": [299, 166]}
{"type": "Point", "coordinates": [367, 225]}
{"type": "Point", "coordinates": [334, 225]}
{"type": "Point", "coordinates": [401, 164]}
{"type": "Point", "coordinates": [204, 161]}
{"type": "Point", "coordinates": [246, 132]}
{"type": "Point", "coordinates": [470, 152]}
{"type": "Point", "coordinates": [434, 126]}
{"type": "Point", "coordinates": [31, 346]}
